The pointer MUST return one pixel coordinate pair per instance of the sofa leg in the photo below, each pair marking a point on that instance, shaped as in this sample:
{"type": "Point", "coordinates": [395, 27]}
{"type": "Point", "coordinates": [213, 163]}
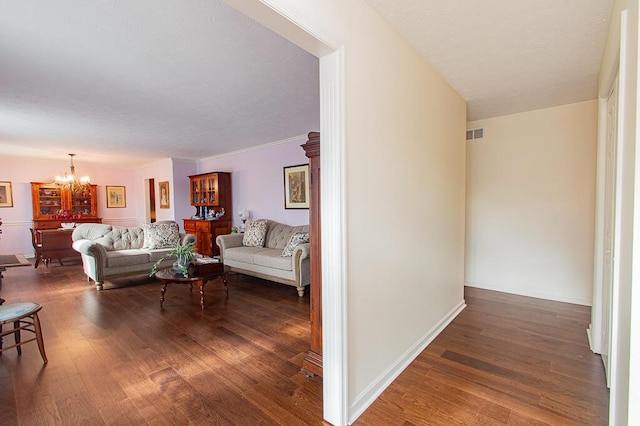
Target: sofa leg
{"type": "Point", "coordinates": [99, 285]}
{"type": "Point", "coordinates": [300, 291]}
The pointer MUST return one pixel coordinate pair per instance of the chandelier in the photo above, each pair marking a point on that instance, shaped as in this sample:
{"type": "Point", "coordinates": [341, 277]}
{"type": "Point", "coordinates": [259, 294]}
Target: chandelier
{"type": "Point", "coordinates": [71, 181]}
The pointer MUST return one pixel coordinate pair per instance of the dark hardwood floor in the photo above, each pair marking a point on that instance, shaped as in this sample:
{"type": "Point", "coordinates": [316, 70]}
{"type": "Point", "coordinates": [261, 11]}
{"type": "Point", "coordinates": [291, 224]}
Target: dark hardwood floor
{"type": "Point", "coordinates": [115, 357]}
{"type": "Point", "coordinates": [505, 359]}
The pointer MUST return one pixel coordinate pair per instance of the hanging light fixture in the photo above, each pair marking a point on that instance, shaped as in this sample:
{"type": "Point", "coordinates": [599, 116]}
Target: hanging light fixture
{"type": "Point", "coordinates": [71, 181]}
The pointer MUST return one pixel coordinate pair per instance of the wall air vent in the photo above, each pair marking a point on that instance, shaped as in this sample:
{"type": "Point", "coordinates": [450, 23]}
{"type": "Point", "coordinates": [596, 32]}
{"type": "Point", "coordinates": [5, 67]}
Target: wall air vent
{"type": "Point", "coordinates": [475, 134]}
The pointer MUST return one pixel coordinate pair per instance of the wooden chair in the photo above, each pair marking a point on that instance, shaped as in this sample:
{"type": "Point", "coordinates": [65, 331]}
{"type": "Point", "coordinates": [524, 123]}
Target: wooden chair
{"type": "Point", "coordinates": [23, 316]}
{"type": "Point", "coordinates": [37, 248]}
{"type": "Point", "coordinates": [40, 251]}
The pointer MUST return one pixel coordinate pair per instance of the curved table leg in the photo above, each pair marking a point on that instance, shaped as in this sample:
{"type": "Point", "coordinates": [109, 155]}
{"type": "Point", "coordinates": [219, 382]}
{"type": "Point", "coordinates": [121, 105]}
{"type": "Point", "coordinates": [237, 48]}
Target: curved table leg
{"type": "Point", "coordinates": [201, 283]}
{"type": "Point", "coordinates": [163, 290]}
{"type": "Point", "coordinates": [226, 286]}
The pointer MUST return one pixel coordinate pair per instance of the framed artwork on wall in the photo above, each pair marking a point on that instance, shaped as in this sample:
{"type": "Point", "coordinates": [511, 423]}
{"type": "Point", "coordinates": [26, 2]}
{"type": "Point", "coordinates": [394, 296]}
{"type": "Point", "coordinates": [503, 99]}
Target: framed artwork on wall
{"type": "Point", "coordinates": [116, 197]}
{"type": "Point", "coordinates": [6, 197]}
{"type": "Point", "coordinates": [296, 187]}
{"type": "Point", "coordinates": [164, 194]}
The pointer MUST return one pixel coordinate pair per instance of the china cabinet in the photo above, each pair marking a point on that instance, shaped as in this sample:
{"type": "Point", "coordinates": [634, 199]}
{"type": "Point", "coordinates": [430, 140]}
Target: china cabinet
{"type": "Point", "coordinates": [54, 204]}
{"type": "Point", "coordinates": [210, 195]}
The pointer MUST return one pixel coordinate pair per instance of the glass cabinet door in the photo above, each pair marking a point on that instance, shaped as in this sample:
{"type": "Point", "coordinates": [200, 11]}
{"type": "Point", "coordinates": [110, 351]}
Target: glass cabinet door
{"type": "Point", "coordinates": [212, 187]}
{"type": "Point", "coordinates": [204, 190]}
{"type": "Point", "coordinates": [81, 202]}
{"type": "Point", "coordinates": [50, 200]}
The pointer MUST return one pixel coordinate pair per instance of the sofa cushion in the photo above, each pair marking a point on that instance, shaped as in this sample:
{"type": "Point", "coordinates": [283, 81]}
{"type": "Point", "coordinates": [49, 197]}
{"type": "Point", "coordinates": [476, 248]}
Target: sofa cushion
{"type": "Point", "coordinates": [127, 257]}
{"type": "Point", "coordinates": [241, 254]}
{"type": "Point", "coordinates": [160, 235]}
{"type": "Point", "coordinates": [255, 234]}
{"type": "Point", "coordinates": [271, 258]}
{"type": "Point", "coordinates": [296, 238]}
{"type": "Point", "coordinates": [156, 254]}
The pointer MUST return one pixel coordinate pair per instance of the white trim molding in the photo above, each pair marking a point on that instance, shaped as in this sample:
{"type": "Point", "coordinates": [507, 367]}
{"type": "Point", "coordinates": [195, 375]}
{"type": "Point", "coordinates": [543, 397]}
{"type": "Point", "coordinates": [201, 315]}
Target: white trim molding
{"type": "Point", "coordinates": [333, 225]}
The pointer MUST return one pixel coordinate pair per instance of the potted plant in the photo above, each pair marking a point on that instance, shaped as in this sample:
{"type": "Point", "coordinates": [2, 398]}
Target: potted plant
{"type": "Point", "coordinates": [184, 253]}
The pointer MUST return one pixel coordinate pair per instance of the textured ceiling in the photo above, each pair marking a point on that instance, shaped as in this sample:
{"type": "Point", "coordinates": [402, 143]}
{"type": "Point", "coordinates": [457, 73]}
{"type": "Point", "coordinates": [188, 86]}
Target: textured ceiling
{"type": "Point", "coordinates": [138, 80]}
{"type": "Point", "coordinates": [507, 56]}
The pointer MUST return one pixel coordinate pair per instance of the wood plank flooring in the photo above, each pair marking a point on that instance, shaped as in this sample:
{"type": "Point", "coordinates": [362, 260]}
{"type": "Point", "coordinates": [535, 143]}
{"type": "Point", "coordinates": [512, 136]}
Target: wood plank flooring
{"type": "Point", "coordinates": [505, 359]}
{"type": "Point", "coordinates": [115, 357]}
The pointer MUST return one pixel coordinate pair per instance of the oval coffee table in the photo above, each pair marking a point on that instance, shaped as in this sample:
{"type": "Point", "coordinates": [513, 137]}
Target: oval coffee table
{"type": "Point", "coordinates": [198, 275]}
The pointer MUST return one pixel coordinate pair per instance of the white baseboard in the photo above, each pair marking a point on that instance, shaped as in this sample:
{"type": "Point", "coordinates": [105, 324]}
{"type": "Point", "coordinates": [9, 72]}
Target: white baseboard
{"type": "Point", "coordinates": [369, 395]}
{"type": "Point", "coordinates": [589, 331]}
{"type": "Point", "coordinates": [531, 293]}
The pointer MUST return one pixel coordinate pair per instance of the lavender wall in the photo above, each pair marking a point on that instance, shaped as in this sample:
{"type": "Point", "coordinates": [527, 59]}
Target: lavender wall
{"type": "Point", "coordinates": [21, 171]}
{"type": "Point", "coordinates": [257, 180]}
{"type": "Point", "coordinates": [257, 184]}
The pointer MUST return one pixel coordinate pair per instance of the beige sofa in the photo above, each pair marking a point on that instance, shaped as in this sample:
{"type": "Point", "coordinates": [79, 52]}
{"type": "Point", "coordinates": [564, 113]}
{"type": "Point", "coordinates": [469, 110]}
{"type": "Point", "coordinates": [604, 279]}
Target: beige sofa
{"type": "Point", "coordinates": [267, 262]}
{"type": "Point", "coordinates": [110, 251]}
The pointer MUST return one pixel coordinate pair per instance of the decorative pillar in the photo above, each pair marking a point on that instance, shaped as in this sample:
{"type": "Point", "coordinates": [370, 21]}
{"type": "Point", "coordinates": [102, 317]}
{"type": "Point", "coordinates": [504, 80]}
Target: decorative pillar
{"type": "Point", "coordinates": [312, 364]}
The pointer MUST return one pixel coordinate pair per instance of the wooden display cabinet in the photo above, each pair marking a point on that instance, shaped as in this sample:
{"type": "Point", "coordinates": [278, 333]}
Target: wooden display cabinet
{"type": "Point", "coordinates": [210, 193]}
{"type": "Point", "coordinates": [206, 232]}
{"type": "Point", "coordinates": [53, 204]}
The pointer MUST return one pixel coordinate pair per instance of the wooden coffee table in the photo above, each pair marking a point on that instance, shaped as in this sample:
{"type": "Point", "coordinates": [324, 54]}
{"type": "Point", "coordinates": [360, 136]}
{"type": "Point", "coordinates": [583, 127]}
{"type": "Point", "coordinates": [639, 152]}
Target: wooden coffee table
{"type": "Point", "coordinates": [199, 274]}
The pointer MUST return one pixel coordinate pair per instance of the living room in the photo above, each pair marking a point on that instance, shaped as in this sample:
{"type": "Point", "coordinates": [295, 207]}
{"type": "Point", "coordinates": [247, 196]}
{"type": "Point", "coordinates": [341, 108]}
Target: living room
{"type": "Point", "coordinates": [425, 119]}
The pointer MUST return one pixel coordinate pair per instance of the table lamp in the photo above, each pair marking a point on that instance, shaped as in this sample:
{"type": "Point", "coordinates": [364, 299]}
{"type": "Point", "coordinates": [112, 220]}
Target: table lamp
{"type": "Point", "coordinates": [243, 215]}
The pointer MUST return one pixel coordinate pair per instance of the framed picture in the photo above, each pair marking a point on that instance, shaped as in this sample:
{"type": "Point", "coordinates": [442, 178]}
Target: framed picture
{"type": "Point", "coordinates": [116, 197]}
{"type": "Point", "coordinates": [296, 187]}
{"type": "Point", "coordinates": [164, 194]}
{"type": "Point", "coordinates": [6, 197]}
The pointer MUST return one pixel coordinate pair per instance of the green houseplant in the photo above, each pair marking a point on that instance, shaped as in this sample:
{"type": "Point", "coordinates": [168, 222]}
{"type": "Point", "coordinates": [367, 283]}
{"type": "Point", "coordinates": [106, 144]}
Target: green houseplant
{"type": "Point", "coordinates": [184, 253]}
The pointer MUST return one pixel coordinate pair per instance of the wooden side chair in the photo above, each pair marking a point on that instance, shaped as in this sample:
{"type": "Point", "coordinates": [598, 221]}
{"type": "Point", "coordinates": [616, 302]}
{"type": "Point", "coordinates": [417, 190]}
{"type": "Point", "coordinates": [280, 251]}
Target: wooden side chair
{"type": "Point", "coordinates": [37, 248]}
{"type": "Point", "coordinates": [39, 251]}
{"type": "Point", "coordinates": [22, 316]}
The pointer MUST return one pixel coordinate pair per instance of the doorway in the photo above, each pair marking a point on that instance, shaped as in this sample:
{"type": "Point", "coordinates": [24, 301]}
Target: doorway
{"type": "Point", "coordinates": [150, 200]}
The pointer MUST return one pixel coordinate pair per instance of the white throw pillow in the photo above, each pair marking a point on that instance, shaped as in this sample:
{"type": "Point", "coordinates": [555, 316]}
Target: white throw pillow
{"type": "Point", "coordinates": [255, 234]}
{"type": "Point", "coordinates": [160, 235]}
{"type": "Point", "coordinates": [296, 238]}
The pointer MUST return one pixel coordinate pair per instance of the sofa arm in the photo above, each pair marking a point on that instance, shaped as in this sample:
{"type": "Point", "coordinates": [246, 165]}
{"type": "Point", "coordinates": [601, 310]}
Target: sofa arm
{"type": "Point", "coordinates": [92, 249]}
{"type": "Point", "coordinates": [94, 259]}
{"type": "Point", "coordinates": [227, 241]}
{"type": "Point", "coordinates": [301, 266]}
{"type": "Point", "coordinates": [304, 249]}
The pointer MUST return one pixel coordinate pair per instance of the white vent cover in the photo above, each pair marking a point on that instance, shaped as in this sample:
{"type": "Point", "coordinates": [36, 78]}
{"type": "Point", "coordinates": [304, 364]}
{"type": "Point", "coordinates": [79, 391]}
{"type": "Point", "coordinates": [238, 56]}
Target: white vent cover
{"type": "Point", "coordinates": [475, 134]}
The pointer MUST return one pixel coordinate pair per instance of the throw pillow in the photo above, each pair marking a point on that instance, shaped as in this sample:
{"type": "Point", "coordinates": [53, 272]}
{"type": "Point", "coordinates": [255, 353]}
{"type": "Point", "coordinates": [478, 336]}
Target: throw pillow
{"type": "Point", "coordinates": [255, 234]}
{"type": "Point", "coordinates": [296, 238]}
{"type": "Point", "coordinates": [160, 235]}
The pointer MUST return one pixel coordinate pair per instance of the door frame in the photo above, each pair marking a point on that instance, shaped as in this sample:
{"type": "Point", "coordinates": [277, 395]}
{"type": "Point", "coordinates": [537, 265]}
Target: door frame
{"type": "Point", "coordinates": [284, 19]}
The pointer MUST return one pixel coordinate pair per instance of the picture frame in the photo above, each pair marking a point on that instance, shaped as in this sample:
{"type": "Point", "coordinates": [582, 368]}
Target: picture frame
{"type": "Point", "coordinates": [296, 187]}
{"type": "Point", "coordinates": [116, 197]}
{"type": "Point", "coordinates": [163, 190]}
{"type": "Point", "coordinates": [6, 195]}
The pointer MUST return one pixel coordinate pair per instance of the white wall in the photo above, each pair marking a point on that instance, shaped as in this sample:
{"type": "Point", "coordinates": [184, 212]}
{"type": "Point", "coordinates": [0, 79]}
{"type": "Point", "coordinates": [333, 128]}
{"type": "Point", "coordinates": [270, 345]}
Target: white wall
{"type": "Point", "coordinates": [531, 203]}
{"type": "Point", "coordinates": [175, 172]}
{"type": "Point", "coordinates": [181, 190]}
